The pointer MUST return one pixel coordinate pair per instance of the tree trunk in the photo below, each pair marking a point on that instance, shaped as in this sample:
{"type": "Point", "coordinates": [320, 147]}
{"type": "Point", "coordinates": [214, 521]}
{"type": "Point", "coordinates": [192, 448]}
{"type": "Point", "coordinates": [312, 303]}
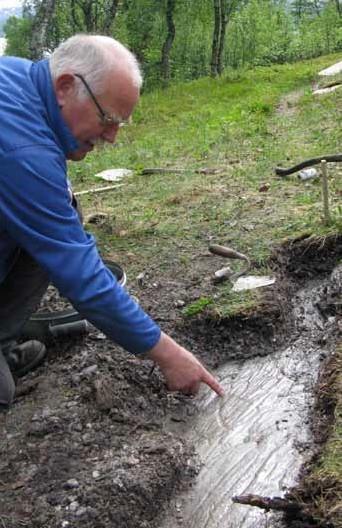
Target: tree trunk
{"type": "Point", "coordinates": [223, 26]}
{"type": "Point", "coordinates": [339, 7]}
{"type": "Point", "coordinates": [216, 38]}
{"type": "Point", "coordinates": [226, 8]}
{"type": "Point", "coordinates": [86, 7]}
{"type": "Point", "coordinates": [171, 32]}
{"type": "Point", "coordinates": [111, 9]}
{"type": "Point", "coordinates": [74, 16]}
{"type": "Point", "coordinates": [40, 26]}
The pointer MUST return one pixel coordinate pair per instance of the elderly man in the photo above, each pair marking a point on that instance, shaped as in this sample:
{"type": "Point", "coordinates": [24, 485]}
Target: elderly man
{"type": "Point", "coordinates": [50, 111]}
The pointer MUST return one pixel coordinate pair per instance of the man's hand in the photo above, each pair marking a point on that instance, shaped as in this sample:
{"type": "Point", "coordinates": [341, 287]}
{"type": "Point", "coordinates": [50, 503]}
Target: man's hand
{"type": "Point", "coordinates": [182, 371]}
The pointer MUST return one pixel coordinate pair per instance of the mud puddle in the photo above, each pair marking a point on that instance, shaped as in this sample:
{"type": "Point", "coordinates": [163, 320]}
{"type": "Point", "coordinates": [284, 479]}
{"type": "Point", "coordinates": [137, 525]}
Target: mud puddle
{"type": "Point", "coordinates": [256, 439]}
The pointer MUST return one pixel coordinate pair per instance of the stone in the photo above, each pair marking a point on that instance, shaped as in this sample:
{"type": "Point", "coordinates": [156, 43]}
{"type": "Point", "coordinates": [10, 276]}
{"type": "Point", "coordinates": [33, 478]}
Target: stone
{"type": "Point", "coordinates": [71, 484]}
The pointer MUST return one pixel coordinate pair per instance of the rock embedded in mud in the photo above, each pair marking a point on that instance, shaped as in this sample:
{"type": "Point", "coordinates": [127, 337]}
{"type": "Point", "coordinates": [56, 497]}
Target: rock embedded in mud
{"type": "Point", "coordinates": [92, 369]}
{"type": "Point", "coordinates": [71, 484]}
{"type": "Point", "coordinates": [86, 513]}
{"type": "Point", "coordinates": [86, 439]}
{"type": "Point", "coordinates": [104, 392]}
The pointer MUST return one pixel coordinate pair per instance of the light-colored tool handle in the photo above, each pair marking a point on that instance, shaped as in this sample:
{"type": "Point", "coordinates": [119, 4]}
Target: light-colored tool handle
{"type": "Point", "coordinates": [224, 251]}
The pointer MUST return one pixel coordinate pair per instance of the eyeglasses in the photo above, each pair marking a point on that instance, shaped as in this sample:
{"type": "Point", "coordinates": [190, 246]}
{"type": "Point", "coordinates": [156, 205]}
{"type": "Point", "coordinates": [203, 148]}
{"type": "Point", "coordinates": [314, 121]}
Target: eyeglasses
{"type": "Point", "coordinates": [106, 119]}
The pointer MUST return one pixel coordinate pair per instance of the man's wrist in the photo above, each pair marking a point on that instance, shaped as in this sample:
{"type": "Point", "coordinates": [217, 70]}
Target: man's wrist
{"type": "Point", "coordinates": [161, 352]}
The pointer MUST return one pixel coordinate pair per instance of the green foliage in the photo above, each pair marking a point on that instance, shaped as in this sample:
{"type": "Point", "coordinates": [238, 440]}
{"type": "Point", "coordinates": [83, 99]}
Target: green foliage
{"type": "Point", "coordinates": [259, 32]}
{"type": "Point", "coordinates": [265, 32]}
{"type": "Point", "coordinates": [17, 32]}
{"type": "Point", "coordinates": [197, 307]}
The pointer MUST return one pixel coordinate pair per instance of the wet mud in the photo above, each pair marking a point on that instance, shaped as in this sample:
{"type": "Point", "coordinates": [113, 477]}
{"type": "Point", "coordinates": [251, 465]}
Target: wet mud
{"type": "Point", "coordinates": [256, 439]}
{"type": "Point", "coordinates": [95, 440]}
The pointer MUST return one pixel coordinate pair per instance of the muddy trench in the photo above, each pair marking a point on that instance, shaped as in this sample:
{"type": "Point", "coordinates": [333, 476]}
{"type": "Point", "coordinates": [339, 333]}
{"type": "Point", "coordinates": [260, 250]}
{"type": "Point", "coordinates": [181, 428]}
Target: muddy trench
{"type": "Point", "coordinates": [95, 440]}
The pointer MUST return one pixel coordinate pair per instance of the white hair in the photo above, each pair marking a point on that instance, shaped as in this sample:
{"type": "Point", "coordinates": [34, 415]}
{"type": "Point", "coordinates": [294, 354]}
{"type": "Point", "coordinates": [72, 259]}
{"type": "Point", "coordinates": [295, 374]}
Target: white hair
{"type": "Point", "coordinates": [94, 57]}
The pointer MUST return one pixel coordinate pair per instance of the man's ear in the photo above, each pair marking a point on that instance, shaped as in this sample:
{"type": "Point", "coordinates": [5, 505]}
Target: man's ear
{"type": "Point", "coordinates": [65, 86]}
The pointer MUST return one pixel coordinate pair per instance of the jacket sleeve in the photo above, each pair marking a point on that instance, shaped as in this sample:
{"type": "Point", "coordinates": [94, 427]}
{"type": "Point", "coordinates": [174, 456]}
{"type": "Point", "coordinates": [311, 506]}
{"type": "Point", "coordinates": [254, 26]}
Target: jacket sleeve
{"type": "Point", "coordinates": [37, 213]}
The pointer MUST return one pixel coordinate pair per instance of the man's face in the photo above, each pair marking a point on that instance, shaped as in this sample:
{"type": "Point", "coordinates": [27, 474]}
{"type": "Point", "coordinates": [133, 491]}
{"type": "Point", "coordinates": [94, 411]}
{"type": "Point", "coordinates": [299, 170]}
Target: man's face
{"type": "Point", "coordinates": [83, 117]}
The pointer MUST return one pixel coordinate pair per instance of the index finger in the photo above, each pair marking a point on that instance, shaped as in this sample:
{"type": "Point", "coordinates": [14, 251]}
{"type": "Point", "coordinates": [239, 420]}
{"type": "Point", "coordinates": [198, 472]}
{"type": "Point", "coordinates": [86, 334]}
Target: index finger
{"type": "Point", "coordinates": [209, 380]}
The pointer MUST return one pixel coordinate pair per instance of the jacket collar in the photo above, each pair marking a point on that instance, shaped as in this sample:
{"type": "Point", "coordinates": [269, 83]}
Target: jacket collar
{"type": "Point", "coordinates": [41, 78]}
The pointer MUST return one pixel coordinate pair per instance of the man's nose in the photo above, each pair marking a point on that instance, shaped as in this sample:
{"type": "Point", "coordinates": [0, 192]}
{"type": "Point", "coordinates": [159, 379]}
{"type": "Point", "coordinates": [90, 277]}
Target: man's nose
{"type": "Point", "coordinates": [109, 134]}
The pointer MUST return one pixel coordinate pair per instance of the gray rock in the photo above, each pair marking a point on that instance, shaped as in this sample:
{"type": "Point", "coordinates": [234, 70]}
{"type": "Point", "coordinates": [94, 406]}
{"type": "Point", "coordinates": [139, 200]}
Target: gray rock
{"type": "Point", "coordinates": [74, 506]}
{"type": "Point", "coordinates": [71, 484]}
{"type": "Point", "coordinates": [89, 370]}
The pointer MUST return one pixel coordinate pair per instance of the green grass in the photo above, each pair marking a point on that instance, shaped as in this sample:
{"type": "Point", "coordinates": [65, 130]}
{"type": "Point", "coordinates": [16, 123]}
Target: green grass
{"type": "Point", "coordinates": [235, 126]}
{"type": "Point", "coordinates": [197, 307]}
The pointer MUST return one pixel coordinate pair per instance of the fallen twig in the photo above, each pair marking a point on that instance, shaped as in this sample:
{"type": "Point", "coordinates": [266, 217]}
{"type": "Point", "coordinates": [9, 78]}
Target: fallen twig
{"type": "Point", "coordinates": [269, 503]}
{"type": "Point", "coordinates": [98, 189]}
{"type": "Point", "coordinates": [162, 170]}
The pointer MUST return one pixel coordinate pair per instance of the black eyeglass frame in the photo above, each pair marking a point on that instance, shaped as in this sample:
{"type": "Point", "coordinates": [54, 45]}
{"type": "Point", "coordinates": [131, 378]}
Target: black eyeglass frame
{"type": "Point", "coordinates": [107, 120]}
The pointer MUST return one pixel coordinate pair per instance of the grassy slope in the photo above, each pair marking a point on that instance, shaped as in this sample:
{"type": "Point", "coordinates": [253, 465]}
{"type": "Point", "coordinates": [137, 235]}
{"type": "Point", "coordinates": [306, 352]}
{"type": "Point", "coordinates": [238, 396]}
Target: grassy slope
{"type": "Point", "coordinates": [243, 124]}
{"type": "Point", "coordinates": [233, 124]}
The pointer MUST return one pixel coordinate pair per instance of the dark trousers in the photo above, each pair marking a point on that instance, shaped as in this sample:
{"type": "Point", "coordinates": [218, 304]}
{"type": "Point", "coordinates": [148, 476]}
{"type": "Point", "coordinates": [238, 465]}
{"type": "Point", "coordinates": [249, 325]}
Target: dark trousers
{"type": "Point", "coordinates": [20, 294]}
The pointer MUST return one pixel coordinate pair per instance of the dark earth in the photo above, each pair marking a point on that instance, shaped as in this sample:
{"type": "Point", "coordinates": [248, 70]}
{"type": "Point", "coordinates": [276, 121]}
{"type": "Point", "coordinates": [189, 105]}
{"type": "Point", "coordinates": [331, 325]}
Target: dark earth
{"type": "Point", "coordinates": [95, 439]}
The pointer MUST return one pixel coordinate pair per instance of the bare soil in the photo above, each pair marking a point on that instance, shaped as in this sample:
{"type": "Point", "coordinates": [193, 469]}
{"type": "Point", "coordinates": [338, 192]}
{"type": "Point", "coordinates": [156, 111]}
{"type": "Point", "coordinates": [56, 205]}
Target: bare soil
{"type": "Point", "coordinates": [95, 439]}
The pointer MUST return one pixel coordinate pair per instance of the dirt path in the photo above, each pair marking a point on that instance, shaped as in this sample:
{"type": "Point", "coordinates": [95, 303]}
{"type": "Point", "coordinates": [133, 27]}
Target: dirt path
{"type": "Point", "coordinates": [288, 103]}
{"type": "Point", "coordinates": [99, 442]}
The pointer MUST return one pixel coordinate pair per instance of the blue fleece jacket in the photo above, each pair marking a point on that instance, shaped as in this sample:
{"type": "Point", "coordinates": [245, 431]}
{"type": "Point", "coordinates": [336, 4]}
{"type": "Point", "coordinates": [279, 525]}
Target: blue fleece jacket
{"type": "Point", "coordinates": [36, 213]}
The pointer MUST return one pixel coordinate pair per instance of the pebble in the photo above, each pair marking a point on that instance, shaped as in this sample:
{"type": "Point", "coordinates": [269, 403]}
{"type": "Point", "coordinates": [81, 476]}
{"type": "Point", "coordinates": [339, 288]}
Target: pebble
{"type": "Point", "coordinates": [140, 277]}
{"type": "Point", "coordinates": [81, 511]}
{"type": "Point", "coordinates": [73, 506]}
{"type": "Point", "coordinates": [78, 427]}
{"type": "Point", "coordinates": [96, 474]}
{"type": "Point", "coordinates": [89, 370]}
{"type": "Point", "coordinates": [76, 378]}
{"type": "Point", "coordinates": [71, 484]}
{"type": "Point", "coordinates": [86, 439]}
{"type": "Point", "coordinates": [70, 404]}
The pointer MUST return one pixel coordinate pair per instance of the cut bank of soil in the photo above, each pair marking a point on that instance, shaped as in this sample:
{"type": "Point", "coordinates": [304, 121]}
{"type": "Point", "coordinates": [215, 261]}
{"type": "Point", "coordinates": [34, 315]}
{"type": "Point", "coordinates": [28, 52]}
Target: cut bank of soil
{"type": "Point", "coordinates": [97, 442]}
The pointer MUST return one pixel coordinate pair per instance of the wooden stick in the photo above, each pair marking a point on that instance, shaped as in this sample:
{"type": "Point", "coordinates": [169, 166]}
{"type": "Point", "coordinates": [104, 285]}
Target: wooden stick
{"type": "Point", "coordinates": [98, 189]}
{"type": "Point", "coordinates": [268, 503]}
{"type": "Point", "coordinates": [325, 192]}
